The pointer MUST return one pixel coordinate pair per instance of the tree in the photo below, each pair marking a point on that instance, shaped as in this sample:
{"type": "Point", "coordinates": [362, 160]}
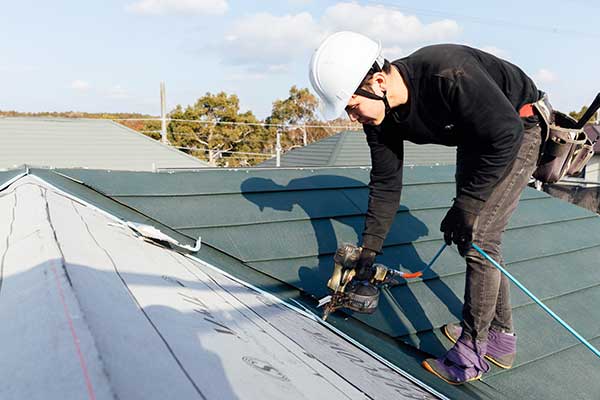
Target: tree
{"type": "Point", "coordinates": [299, 108]}
{"type": "Point", "coordinates": [578, 115]}
{"type": "Point", "coordinates": [214, 130]}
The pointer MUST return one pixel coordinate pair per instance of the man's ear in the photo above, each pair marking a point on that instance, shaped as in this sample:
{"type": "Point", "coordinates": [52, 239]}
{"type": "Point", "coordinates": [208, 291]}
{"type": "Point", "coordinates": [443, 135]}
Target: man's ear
{"type": "Point", "coordinates": [380, 81]}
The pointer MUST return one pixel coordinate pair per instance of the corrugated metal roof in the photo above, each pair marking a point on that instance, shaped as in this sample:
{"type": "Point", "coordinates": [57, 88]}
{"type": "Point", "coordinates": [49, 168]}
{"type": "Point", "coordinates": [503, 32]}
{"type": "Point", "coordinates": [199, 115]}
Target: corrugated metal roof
{"type": "Point", "coordinates": [283, 225]}
{"type": "Point", "coordinates": [349, 148]}
{"type": "Point", "coordinates": [84, 143]}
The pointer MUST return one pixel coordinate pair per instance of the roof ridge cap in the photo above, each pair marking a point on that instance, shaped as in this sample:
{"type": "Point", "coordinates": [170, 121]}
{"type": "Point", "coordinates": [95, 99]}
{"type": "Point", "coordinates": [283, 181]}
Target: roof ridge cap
{"type": "Point", "coordinates": [338, 147]}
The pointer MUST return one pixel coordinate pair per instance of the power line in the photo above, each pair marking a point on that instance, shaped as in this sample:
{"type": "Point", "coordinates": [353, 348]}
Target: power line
{"type": "Point", "coordinates": [213, 122]}
{"type": "Point", "coordinates": [224, 151]}
{"type": "Point", "coordinates": [400, 6]}
{"type": "Point", "coordinates": [193, 134]}
{"type": "Point", "coordinates": [231, 154]}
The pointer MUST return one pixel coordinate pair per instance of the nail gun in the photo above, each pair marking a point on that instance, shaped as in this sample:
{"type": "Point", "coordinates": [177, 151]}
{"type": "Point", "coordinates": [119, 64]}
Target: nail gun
{"type": "Point", "coordinates": [359, 296]}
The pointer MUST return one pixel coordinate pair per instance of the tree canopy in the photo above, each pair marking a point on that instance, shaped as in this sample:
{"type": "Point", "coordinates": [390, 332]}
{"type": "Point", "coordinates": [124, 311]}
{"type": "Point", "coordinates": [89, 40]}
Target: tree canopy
{"type": "Point", "coordinates": [300, 108]}
{"type": "Point", "coordinates": [211, 128]}
{"type": "Point", "coordinates": [579, 114]}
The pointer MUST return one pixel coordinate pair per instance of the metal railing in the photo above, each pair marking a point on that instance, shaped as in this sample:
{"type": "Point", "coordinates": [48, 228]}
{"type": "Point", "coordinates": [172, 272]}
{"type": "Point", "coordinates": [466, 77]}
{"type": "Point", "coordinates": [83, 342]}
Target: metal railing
{"type": "Point", "coordinates": [213, 147]}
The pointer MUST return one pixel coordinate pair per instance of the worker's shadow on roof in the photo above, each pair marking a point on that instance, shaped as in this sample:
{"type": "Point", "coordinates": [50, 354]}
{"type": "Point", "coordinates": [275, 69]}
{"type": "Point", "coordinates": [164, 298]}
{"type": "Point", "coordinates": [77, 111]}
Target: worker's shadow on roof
{"type": "Point", "coordinates": [335, 206]}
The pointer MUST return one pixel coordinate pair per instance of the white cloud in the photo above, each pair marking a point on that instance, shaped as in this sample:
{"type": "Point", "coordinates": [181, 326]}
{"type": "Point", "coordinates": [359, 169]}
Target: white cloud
{"type": "Point", "coordinates": [394, 52]}
{"type": "Point", "coordinates": [265, 39]}
{"type": "Point", "coordinates": [498, 52]}
{"type": "Point", "coordinates": [389, 25]}
{"type": "Point", "coordinates": [545, 76]}
{"type": "Point", "coordinates": [80, 85]}
{"type": "Point", "coordinates": [161, 7]}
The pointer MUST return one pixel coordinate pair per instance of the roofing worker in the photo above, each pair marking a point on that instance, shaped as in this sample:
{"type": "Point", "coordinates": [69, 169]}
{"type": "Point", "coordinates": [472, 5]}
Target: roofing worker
{"type": "Point", "coordinates": [455, 96]}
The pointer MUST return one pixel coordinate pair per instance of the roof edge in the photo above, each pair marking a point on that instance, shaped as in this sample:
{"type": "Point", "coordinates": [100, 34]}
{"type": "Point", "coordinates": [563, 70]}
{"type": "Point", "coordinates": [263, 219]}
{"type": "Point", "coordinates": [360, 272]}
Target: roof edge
{"type": "Point", "coordinates": [156, 142]}
{"type": "Point", "coordinates": [301, 309]}
{"type": "Point", "coordinates": [63, 185]}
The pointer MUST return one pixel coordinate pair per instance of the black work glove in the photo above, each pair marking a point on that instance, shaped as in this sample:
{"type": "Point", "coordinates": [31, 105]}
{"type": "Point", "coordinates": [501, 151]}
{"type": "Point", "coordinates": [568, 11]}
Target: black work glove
{"type": "Point", "coordinates": [457, 226]}
{"type": "Point", "coordinates": [364, 266]}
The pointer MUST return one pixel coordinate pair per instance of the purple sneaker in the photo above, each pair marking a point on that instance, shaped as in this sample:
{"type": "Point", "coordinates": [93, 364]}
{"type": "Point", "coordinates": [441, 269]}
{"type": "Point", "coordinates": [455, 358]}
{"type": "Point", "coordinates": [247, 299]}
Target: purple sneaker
{"type": "Point", "coordinates": [501, 349]}
{"type": "Point", "coordinates": [462, 363]}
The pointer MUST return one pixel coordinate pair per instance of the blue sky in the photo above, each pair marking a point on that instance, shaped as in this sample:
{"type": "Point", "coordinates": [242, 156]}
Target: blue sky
{"type": "Point", "coordinates": [94, 56]}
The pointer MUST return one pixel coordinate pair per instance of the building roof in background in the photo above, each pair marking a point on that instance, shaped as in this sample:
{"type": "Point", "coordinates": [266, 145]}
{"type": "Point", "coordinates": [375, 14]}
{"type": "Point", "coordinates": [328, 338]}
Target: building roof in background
{"type": "Point", "coordinates": [278, 229]}
{"type": "Point", "coordinates": [593, 132]}
{"type": "Point", "coordinates": [349, 148]}
{"type": "Point", "coordinates": [95, 312]}
{"type": "Point", "coordinates": [85, 143]}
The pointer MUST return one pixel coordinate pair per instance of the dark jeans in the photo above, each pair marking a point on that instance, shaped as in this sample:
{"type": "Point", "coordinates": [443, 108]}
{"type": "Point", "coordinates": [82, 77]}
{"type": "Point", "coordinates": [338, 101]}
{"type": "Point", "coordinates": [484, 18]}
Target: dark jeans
{"type": "Point", "coordinates": [487, 298]}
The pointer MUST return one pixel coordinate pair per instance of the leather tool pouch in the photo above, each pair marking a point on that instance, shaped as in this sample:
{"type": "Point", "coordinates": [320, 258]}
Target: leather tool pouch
{"type": "Point", "coordinates": [566, 148]}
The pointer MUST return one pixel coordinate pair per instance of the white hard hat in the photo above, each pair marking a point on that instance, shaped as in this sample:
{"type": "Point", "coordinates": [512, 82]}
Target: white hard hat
{"type": "Point", "coordinates": [338, 66]}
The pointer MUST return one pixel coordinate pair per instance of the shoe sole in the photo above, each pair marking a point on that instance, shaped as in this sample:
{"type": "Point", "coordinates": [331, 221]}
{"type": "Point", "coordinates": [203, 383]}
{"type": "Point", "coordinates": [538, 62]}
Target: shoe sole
{"type": "Point", "coordinates": [490, 359]}
{"type": "Point", "coordinates": [426, 365]}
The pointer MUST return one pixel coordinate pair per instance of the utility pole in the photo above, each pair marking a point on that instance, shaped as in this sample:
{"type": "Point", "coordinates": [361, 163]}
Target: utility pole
{"type": "Point", "coordinates": [278, 149]}
{"type": "Point", "coordinates": [304, 137]}
{"type": "Point", "coordinates": [163, 114]}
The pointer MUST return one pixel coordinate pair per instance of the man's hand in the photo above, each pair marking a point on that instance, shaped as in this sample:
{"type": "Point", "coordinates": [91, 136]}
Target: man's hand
{"type": "Point", "coordinates": [457, 226]}
{"type": "Point", "coordinates": [364, 266]}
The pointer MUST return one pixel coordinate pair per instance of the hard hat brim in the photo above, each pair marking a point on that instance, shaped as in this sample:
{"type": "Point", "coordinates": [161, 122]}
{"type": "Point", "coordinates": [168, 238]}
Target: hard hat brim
{"type": "Point", "coordinates": [333, 110]}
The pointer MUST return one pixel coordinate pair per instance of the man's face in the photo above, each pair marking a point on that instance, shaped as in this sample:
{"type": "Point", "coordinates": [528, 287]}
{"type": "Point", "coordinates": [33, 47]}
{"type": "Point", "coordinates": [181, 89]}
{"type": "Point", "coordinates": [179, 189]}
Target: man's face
{"type": "Point", "coordinates": [365, 111]}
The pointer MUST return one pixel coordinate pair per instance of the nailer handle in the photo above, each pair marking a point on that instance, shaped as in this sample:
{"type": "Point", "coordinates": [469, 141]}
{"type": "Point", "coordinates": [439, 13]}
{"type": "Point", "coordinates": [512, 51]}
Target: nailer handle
{"type": "Point", "coordinates": [588, 114]}
{"type": "Point", "coordinates": [417, 274]}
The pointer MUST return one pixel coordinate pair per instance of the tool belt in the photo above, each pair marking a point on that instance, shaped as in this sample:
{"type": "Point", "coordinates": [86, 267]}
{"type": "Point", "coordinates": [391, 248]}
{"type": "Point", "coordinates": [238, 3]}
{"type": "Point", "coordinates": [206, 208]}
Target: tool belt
{"type": "Point", "coordinates": [565, 149]}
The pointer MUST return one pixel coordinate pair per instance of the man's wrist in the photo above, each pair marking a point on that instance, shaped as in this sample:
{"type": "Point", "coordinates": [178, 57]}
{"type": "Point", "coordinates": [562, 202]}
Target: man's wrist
{"type": "Point", "coordinates": [368, 254]}
{"type": "Point", "coordinates": [469, 204]}
{"type": "Point", "coordinates": [372, 243]}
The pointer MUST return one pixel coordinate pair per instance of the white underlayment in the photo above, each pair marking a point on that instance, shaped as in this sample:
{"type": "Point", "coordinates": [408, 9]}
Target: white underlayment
{"type": "Point", "coordinates": [91, 311]}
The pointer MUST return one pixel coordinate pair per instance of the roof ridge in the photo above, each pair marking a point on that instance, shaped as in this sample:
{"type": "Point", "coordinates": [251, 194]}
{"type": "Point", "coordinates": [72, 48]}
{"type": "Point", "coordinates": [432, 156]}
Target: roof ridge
{"type": "Point", "coordinates": [156, 142]}
{"type": "Point", "coordinates": [341, 138]}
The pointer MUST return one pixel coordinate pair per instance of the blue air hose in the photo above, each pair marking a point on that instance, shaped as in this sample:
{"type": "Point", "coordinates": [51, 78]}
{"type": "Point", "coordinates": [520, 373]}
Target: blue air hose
{"type": "Point", "coordinates": [408, 275]}
{"type": "Point", "coordinates": [532, 296]}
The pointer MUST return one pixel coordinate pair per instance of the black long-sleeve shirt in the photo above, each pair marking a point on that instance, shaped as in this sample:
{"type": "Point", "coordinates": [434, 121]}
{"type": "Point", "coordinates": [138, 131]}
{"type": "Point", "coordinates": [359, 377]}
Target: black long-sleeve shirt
{"type": "Point", "coordinates": [458, 96]}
